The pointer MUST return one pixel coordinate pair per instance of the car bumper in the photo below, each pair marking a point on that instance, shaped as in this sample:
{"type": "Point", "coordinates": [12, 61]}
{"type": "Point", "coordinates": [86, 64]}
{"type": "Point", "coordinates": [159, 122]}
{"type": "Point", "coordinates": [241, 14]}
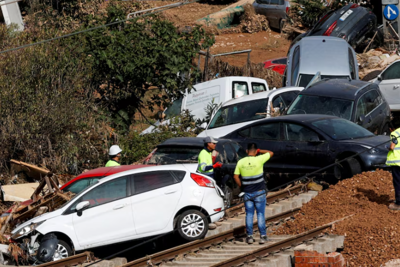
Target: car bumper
{"type": "Point", "coordinates": [374, 161]}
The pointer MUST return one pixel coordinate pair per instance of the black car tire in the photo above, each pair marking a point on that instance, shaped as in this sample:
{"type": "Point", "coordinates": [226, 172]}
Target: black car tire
{"type": "Point", "coordinates": [198, 231]}
{"type": "Point", "coordinates": [347, 169]}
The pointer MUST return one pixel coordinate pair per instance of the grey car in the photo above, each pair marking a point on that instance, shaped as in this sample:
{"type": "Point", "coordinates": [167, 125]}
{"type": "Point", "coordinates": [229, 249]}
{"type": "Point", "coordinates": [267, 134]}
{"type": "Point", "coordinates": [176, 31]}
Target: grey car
{"type": "Point", "coordinates": [389, 84]}
{"type": "Point", "coordinates": [333, 57]}
{"type": "Point", "coordinates": [275, 11]}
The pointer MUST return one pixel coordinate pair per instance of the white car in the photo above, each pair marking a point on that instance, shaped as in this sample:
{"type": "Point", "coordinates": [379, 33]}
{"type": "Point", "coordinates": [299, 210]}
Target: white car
{"type": "Point", "coordinates": [389, 84]}
{"type": "Point", "coordinates": [236, 113]}
{"type": "Point", "coordinates": [126, 206]}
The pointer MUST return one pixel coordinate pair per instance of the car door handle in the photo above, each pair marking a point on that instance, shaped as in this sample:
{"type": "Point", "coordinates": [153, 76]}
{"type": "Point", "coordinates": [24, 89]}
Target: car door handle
{"type": "Point", "coordinates": [120, 206]}
{"type": "Point", "coordinates": [396, 86]}
{"type": "Point", "coordinates": [170, 192]}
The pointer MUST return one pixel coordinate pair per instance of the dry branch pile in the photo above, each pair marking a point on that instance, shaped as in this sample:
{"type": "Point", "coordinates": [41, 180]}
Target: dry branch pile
{"type": "Point", "coordinates": [224, 69]}
{"type": "Point", "coordinates": [251, 22]}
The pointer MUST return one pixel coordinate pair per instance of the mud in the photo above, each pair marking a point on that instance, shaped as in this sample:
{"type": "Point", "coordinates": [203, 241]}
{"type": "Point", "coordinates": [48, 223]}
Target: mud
{"type": "Point", "coordinates": [372, 234]}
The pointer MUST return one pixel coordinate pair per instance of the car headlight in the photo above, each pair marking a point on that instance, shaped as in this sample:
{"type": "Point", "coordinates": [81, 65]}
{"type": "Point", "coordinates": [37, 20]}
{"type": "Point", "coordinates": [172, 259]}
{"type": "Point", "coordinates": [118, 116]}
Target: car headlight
{"type": "Point", "coordinates": [26, 230]}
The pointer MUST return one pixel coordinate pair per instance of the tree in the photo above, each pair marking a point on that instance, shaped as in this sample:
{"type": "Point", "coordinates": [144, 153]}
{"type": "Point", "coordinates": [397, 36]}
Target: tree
{"type": "Point", "coordinates": [132, 57]}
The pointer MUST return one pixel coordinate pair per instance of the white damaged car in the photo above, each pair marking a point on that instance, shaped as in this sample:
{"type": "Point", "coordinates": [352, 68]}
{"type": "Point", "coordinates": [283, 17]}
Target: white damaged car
{"type": "Point", "coordinates": [129, 205]}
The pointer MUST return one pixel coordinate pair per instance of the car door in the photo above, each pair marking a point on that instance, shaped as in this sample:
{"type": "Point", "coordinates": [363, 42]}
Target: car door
{"type": "Point", "coordinates": [273, 13]}
{"type": "Point", "coordinates": [368, 113]}
{"type": "Point", "coordinates": [156, 195]}
{"type": "Point", "coordinates": [304, 149]}
{"type": "Point", "coordinates": [108, 219]}
{"type": "Point", "coordinates": [261, 6]}
{"type": "Point", "coordinates": [389, 84]}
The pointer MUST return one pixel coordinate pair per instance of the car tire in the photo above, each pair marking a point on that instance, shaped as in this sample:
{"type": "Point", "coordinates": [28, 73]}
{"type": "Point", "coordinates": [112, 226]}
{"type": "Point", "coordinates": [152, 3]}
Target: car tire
{"type": "Point", "coordinates": [192, 225]}
{"type": "Point", "coordinates": [63, 250]}
{"type": "Point", "coordinates": [347, 169]}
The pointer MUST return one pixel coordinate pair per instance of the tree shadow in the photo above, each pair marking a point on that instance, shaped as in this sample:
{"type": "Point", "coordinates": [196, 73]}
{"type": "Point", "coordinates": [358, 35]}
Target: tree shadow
{"type": "Point", "coordinates": [373, 196]}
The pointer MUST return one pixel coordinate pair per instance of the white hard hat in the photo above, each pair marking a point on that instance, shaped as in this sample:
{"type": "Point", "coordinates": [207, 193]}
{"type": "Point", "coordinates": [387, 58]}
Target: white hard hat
{"type": "Point", "coordinates": [114, 150]}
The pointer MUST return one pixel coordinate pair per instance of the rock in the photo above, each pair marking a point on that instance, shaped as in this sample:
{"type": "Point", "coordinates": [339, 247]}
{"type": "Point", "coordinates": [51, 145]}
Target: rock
{"type": "Point", "coordinates": [212, 226]}
{"type": "Point", "coordinates": [392, 263]}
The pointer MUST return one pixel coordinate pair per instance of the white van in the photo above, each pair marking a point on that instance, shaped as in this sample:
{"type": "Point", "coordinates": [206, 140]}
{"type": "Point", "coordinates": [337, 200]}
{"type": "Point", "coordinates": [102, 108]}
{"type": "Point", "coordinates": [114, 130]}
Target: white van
{"type": "Point", "coordinates": [237, 113]}
{"type": "Point", "coordinates": [217, 91]}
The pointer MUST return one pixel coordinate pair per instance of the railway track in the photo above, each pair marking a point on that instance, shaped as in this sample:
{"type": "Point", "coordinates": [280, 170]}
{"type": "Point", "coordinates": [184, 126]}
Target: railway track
{"type": "Point", "coordinates": [227, 247]}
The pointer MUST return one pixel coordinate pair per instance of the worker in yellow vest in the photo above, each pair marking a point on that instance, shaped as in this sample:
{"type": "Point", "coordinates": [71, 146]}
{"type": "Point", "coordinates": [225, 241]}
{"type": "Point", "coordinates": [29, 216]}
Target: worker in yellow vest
{"type": "Point", "coordinates": [115, 156]}
{"type": "Point", "coordinates": [205, 159]}
{"type": "Point", "coordinates": [251, 170]}
{"type": "Point", "coordinates": [393, 160]}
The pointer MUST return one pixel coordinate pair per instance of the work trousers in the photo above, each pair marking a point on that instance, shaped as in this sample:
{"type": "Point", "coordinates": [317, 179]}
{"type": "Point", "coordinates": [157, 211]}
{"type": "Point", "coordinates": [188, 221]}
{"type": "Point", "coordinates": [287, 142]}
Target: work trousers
{"type": "Point", "coordinates": [258, 201]}
{"type": "Point", "coordinates": [396, 183]}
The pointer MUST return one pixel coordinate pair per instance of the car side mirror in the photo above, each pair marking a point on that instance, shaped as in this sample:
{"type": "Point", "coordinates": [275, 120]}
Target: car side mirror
{"type": "Point", "coordinates": [379, 78]}
{"type": "Point", "coordinates": [203, 125]}
{"type": "Point", "coordinates": [361, 118]}
{"type": "Point", "coordinates": [81, 206]}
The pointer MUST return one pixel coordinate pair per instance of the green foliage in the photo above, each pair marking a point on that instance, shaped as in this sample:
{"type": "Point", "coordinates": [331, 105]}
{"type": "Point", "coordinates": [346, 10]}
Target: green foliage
{"type": "Point", "coordinates": [210, 109]}
{"type": "Point", "coordinates": [132, 57]}
{"type": "Point", "coordinates": [136, 147]}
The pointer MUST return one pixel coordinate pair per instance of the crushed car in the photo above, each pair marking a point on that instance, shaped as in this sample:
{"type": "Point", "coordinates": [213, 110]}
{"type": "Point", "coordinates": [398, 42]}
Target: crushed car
{"type": "Point", "coordinates": [129, 205]}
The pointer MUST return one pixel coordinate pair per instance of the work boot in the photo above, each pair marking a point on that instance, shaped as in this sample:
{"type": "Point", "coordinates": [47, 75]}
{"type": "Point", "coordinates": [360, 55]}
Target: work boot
{"type": "Point", "coordinates": [250, 239]}
{"type": "Point", "coordinates": [394, 206]}
{"type": "Point", "coordinates": [263, 239]}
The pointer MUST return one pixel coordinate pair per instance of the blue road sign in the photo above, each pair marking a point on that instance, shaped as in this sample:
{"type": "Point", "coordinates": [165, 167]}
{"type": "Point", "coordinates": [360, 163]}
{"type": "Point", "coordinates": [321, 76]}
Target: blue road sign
{"type": "Point", "coordinates": [391, 12]}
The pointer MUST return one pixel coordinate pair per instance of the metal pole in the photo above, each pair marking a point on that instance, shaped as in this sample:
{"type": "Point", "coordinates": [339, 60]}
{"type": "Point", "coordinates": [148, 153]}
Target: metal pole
{"type": "Point", "coordinates": [248, 62]}
{"type": "Point", "coordinates": [205, 75]}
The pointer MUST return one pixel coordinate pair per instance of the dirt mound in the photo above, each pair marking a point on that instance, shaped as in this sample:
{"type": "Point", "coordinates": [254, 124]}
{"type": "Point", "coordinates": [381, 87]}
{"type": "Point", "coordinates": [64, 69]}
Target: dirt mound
{"type": "Point", "coordinates": [251, 22]}
{"type": "Point", "coordinates": [372, 234]}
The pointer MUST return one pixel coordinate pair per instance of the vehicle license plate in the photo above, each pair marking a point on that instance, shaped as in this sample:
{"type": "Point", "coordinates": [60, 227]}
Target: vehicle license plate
{"type": "Point", "coordinates": [345, 15]}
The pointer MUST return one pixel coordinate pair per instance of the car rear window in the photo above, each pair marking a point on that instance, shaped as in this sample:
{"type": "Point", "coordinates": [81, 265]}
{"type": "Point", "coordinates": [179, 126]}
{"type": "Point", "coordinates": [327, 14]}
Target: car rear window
{"type": "Point", "coordinates": [340, 129]}
{"type": "Point", "coordinates": [305, 79]}
{"type": "Point", "coordinates": [175, 154]}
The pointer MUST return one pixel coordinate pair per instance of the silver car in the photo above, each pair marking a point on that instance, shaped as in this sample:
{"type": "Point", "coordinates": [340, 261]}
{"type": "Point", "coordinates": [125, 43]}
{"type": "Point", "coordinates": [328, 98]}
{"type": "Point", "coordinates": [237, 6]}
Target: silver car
{"type": "Point", "coordinates": [275, 11]}
{"type": "Point", "coordinates": [389, 84]}
{"type": "Point", "coordinates": [333, 57]}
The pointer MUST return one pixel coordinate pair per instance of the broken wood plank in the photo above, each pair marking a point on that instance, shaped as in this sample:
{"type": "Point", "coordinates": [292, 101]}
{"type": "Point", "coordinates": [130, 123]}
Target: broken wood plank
{"type": "Point", "coordinates": [18, 192]}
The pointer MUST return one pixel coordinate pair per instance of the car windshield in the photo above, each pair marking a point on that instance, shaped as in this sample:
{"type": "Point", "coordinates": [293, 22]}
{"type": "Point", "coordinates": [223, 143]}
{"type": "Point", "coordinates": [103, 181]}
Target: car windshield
{"type": "Point", "coordinates": [241, 112]}
{"type": "Point", "coordinates": [340, 129]}
{"type": "Point", "coordinates": [304, 79]}
{"type": "Point", "coordinates": [174, 110]}
{"type": "Point", "coordinates": [310, 104]}
{"type": "Point", "coordinates": [175, 154]}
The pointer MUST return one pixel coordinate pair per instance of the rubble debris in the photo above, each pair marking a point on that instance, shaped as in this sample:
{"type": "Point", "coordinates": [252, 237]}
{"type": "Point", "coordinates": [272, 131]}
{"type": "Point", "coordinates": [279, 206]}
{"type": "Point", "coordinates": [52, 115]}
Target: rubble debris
{"type": "Point", "coordinates": [309, 258]}
{"type": "Point", "coordinates": [372, 234]}
{"type": "Point", "coordinates": [34, 172]}
{"type": "Point", "coordinates": [251, 22]}
{"type": "Point", "coordinates": [373, 60]}
{"type": "Point", "coordinates": [18, 192]}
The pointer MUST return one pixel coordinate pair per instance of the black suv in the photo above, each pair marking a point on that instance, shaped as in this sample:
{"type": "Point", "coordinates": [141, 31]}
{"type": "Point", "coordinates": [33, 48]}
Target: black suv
{"type": "Point", "coordinates": [358, 101]}
{"type": "Point", "coordinates": [353, 23]}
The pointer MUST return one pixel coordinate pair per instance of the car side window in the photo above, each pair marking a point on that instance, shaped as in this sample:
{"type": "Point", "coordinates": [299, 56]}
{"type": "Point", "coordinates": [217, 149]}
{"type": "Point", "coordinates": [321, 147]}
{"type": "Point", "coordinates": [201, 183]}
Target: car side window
{"type": "Point", "coordinates": [295, 132]}
{"type": "Point", "coordinates": [244, 132]}
{"type": "Point", "coordinates": [288, 97]}
{"type": "Point", "coordinates": [367, 103]}
{"type": "Point", "coordinates": [352, 65]}
{"type": "Point", "coordinates": [393, 72]}
{"type": "Point", "coordinates": [258, 87]}
{"type": "Point", "coordinates": [105, 193]}
{"type": "Point", "coordinates": [269, 131]}
{"type": "Point", "coordinates": [277, 102]}
{"type": "Point", "coordinates": [295, 64]}
{"type": "Point", "coordinates": [78, 186]}
{"type": "Point", "coordinates": [148, 181]}
{"type": "Point", "coordinates": [230, 153]}
{"type": "Point", "coordinates": [239, 89]}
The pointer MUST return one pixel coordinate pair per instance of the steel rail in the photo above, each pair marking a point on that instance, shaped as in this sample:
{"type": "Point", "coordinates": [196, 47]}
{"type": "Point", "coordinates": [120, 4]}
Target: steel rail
{"type": "Point", "coordinates": [73, 260]}
{"type": "Point", "coordinates": [271, 197]}
{"type": "Point", "coordinates": [277, 246]}
{"type": "Point", "coordinates": [172, 253]}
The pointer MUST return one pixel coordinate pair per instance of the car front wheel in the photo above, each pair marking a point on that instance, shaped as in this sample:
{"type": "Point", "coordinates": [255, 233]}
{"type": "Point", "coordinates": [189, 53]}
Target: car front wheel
{"type": "Point", "coordinates": [192, 225]}
{"type": "Point", "coordinates": [63, 251]}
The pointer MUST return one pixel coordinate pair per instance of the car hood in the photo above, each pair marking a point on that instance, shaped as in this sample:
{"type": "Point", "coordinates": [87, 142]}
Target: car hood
{"type": "Point", "coordinates": [378, 141]}
{"type": "Point", "coordinates": [40, 218]}
{"type": "Point", "coordinates": [224, 130]}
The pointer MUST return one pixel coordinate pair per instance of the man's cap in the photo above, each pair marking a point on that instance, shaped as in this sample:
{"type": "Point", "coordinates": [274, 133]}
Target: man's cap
{"type": "Point", "coordinates": [210, 139]}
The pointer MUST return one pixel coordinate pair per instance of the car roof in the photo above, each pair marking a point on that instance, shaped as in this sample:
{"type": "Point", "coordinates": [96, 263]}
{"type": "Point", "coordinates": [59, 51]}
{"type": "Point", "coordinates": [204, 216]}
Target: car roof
{"type": "Point", "coordinates": [104, 171]}
{"type": "Point", "coordinates": [260, 95]}
{"type": "Point", "coordinates": [334, 51]}
{"type": "Point", "coordinates": [338, 88]}
{"type": "Point", "coordinates": [187, 141]}
{"type": "Point", "coordinates": [307, 118]}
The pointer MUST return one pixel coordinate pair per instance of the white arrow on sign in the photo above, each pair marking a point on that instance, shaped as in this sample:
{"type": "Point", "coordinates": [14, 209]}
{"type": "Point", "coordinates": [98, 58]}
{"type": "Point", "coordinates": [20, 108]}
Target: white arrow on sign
{"type": "Point", "coordinates": [389, 11]}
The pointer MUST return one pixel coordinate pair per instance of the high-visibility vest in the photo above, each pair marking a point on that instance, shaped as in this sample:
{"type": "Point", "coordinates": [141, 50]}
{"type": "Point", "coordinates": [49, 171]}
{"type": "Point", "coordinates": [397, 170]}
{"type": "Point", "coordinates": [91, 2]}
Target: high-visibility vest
{"type": "Point", "coordinates": [393, 157]}
{"type": "Point", "coordinates": [252, 169]}
{"type": "Point", "coordinates": [205, 159]}
{"type": "Point", "coordinates": [112, 163]}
